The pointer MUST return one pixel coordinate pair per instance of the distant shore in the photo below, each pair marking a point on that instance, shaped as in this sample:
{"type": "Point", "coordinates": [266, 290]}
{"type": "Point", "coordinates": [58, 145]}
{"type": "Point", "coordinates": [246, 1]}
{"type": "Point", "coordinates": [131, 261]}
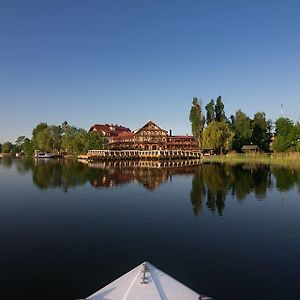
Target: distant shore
{"type": "Point", "coordinates": [291, 159]}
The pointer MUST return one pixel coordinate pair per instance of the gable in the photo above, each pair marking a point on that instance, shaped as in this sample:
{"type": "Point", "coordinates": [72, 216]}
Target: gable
{"type": "Point", "coordinates": [151, 127]}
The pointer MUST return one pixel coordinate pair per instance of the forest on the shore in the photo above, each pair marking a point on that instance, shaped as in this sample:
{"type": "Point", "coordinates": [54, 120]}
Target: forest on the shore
{"type": "Point", "coordinates": [213, 130]}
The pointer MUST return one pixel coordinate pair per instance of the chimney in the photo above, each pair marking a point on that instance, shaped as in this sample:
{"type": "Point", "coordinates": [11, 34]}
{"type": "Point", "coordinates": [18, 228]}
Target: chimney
{"type": "Point", "coordinates": [170, 132]}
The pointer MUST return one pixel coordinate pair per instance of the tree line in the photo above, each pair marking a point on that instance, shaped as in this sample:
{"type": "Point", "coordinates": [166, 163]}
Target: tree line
{"type": "Point", "coordinates": [58, 139]}
{"type": "Point", "coordinates": [214, 131]}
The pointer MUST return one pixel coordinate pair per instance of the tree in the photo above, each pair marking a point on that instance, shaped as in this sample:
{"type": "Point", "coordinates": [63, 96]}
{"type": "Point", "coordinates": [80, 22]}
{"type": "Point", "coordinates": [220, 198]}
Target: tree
{"type": "Point", "coordinates": [283, 126]}
{"type": "Point", "coordinates": [285, 135]}
{"type": "Point", "coordinates": [39, 128]}
{"type": "Point", "coordinates": [219, 110]}
{"type": "Point", "coordinates": [28, 147]}
{"type": "Point", "coordinates": [64, 127]}
{"type": "Point", "coordinates": [7, 147]}
{"type": "Point", "coordinates": [43, 140]}
{"type": "Point", "coordinates": [259, 131]}
{"type": "Point", "coordinates": [217, 136]}
{"type": "Point", "coordinates": [0, 148]}
{"type": "Point", "coordinates": [197, 120]}
{"type": "Point", "coordinates": [77, 140]}
{"type": "Point", "coordinates": [279, 144]}
{"type": "Point", "coordinates": [242, 130]}
{"type": "Point", "coordinates": [19, 143]}
{"type": "Point", "coordinates": [56, 134]}
{"type": "Point", "coordinates": [20, 140]}
{"type": "Point", "coordinates": [210, 112]}
{"type": "Point", "coordinates": [96, 140]}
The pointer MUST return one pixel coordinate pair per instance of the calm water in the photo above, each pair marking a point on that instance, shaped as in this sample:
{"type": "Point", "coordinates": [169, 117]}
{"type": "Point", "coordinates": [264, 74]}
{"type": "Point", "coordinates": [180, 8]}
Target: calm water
{"type": "Point", "coordinates": [67, 229]}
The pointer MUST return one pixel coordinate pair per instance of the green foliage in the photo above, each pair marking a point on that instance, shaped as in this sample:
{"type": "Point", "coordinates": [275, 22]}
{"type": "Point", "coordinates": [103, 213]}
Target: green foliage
{"type": "Point", "coordinates": [219, 110]}
{"type": "Point", "coordinates": [43, 140]}
{"type": "Point", "coordinates": [73, 140]}
{"type": "Point", "coordinates": [242, 129]}
{"type": "Point", "coordinates": [96, 140]}
{"type": "Point", "coordinates": [283, 126]}
{"type": "Point", "coordinates": [210, 112]}
{"type": "Point", "coordinates": [28, 147]}
{"type": "Point", "coordinates": [287, 135]}
{"type": "Point", "coordinates": [7, 147]}
{"type": "Point", "coordinates": [56, 135]}
{"type": "Point", "coordinates": [197, 120]}
{"type": "Point", "coordinates": [298, 146]}
{"type": "Point", "coordinates": [47, 138]}
{"type": "Point", "coordinates": [20, 141]}
{"type": "Point", "coordinates": [279, 144]}
{"type": "Point", "coordinates": [40, 127]}
{"type": "Point", "coordinates": [259, 131]}
{"type": "Point", "coordinates": [77, 140]}
{"type": "Point", "coordinates": [217, 136]}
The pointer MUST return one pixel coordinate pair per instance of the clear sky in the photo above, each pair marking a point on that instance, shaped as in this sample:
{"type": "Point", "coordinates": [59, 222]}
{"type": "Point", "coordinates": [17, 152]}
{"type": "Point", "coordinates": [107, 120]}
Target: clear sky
{"type": "Point", "coordinates": [124, 62]}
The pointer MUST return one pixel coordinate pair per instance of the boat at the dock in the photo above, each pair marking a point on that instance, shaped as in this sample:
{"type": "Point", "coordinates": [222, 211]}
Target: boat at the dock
{"type": "Point", "coordinates": [39, 154]}
{"type": "Point", "coordinates": [146, 282]}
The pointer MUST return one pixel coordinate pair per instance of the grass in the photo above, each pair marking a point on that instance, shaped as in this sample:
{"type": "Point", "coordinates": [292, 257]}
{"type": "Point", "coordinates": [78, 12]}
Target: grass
{"type": "Point", "coordinates": [291, 159]}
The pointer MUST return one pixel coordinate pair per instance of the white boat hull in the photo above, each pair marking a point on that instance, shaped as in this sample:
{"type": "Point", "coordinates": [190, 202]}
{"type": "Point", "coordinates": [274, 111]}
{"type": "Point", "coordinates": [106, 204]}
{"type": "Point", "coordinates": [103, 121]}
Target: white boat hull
{"type": "Point", "coordinates": [152, 284]}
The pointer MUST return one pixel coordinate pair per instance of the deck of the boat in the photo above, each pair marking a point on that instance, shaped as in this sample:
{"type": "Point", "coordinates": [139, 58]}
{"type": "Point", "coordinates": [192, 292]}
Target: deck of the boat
{"type": "Point", "coordinates": [159, 286]}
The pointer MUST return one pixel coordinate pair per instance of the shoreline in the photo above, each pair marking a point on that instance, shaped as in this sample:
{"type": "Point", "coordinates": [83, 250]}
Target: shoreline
{"type": "Point", "coordinates": [291, 159]}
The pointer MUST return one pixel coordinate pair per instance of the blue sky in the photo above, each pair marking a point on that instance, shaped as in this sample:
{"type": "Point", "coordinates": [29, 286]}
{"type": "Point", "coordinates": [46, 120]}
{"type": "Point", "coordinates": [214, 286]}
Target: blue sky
{"type": "Point", "coordinates": [124, 62]}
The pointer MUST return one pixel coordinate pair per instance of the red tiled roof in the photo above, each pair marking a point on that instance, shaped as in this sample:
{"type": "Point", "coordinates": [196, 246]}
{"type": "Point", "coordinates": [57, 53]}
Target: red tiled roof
{"type": "Point", "coordinates": [110, 129]}
{"type": "Point", "coordinates": [124, 135]}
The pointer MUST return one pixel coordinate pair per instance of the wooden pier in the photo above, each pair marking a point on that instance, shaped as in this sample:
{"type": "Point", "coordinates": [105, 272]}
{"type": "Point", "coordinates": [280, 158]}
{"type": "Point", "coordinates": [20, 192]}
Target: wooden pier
{"type": "Point", "coordinates": [138, 154]}
{"type": "Point", "coordinates": [149, 164]}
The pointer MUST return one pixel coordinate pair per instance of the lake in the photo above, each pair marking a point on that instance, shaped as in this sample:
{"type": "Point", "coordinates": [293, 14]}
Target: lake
{"type": "Point", "coordinates": [68, 228]}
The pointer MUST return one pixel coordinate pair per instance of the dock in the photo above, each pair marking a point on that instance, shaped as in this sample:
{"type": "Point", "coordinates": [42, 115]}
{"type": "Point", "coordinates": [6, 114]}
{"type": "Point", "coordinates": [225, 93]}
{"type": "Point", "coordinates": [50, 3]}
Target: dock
{"type": "Point", "coordinates": [93, 155]}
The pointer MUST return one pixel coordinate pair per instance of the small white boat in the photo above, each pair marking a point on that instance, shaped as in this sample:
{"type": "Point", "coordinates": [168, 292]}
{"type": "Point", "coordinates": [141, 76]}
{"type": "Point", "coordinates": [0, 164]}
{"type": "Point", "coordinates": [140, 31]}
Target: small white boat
{"type": "Point", "coordinates": [146, 282]}
{"type": "Point", "coordinates": [39, 154]}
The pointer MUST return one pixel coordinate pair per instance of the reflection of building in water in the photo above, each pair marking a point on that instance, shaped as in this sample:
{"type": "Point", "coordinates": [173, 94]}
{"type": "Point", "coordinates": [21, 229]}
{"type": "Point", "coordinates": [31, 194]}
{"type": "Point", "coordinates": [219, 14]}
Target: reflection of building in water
{"type": "Point", "coordinates": [151, 174]}
{"type": "Point", "coordinates": [111, 179]}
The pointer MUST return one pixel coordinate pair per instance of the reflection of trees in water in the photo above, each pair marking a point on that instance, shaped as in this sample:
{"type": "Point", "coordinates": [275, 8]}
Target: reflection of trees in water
{"type": "Point", "coordinates": [198, 192]}
{"type": "Point", "coordinates": [249, 178]}
{"type": "Point", "coordinates": [286, 179]}
{"type": "Point", "coordinates": [211, 184]}
{"type": "Point", "coordinates": [55, 173]}
{"type": "Point", "coordinates": [214, 181]}
{"type": "Point", "coordinates": [218, 181]}
{"type": "Point", "coordinates": [6, 162]}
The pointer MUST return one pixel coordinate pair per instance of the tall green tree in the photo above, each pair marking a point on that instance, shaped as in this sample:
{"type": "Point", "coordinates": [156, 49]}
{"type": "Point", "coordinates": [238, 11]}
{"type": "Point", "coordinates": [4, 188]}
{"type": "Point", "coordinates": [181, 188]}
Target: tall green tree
{"type": "Point", "coordinates": [197, 120]}
{"type": "Point", "coordinates": [7, 147]}
{"type": "Point", "coordinates": [284, 135]}
{"type": "Point", "coordinates": [56, 134]}
{"type": "Point", "coordinates": [259, 131]}
{"type": "Point", "coordinates": [95, 141]}
{"type": "Point", "coordinates": [218, 136]}
{"type": "Point", "coordinates": [283, 126]}
{"type": "Point", "coordinates": [219, 110]}
{"type": "Point", "coordinates": [242, 130]}
{"type": "Point", "coordinates": [39, 128]}
{"type": "Point", "coordinates": [28, 147]}
{"type": "Point", "coordinates": [43, 140]}
{"type": "Point", "coordinates": [210, 111]}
